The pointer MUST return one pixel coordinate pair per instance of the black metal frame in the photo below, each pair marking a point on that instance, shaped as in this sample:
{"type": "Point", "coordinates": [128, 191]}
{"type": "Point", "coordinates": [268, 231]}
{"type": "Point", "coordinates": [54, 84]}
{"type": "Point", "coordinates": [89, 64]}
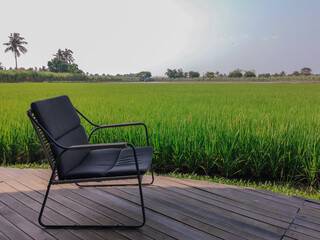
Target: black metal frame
{"type": "Point", "coordinates": [99, 127]}
{"type": "Point", "coordinates": [55, 165]}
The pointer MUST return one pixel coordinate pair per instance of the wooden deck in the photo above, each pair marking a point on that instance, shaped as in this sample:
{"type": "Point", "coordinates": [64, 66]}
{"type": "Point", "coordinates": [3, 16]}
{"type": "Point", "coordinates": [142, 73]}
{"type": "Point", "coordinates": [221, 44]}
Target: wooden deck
{"type": "Point", "coordinates": [175, 209]}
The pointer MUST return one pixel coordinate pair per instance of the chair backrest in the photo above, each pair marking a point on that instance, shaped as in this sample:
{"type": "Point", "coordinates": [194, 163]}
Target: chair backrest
{"type": "Point", "coordinates": [60, 119]}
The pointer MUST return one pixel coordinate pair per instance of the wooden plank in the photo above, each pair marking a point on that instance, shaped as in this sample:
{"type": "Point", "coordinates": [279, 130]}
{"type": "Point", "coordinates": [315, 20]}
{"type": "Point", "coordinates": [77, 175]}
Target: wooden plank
{"type": "Point", "coordinates": [227, 220]}
{"type": "Point", "coordinates": [175, 208]}
{"type": "Point", "coordinates": [205, 211]}
{"type": "Point", "coordinates": [53, 215]}
{"type": "Point", "coordinates": [171, 211]}
{"type": "Point", "coordinates": [227, 207]}
{"type": "Point", "coordinates": [312, 205]}
{"type": "Point", "coordinates": [273, 196]}
{"type": "Point", "coordinates": [276, 195]}
{"type": "Point", "coordinates": [31, 216]}
{"type": "Point", "coordinates": [213, 228]}
{"type": "Point", "coordinates": [229, 204]}
{"type": "Point", "coordinates": [298, 236]}
{"type": "Point", "coordinates": [98, 207]}
{"type": "Point", "coordinates": [247, 193]}
{"type": "Point", "coordinates": [11, 230]}
{"type": "Point", "coordinates": [307, 199]}
{"type": "Point", "coordinates": [75, 215]}
{"type": "Point", "coordinates": [230, 193]}
{"type": "Point", "coordinates": [83, 213]}
{"type": "Point", "coordinates": [26, 226]}
{"type": "Point", "coordinates": [313, 226]}
{"type": "Point", "coordinates": [305, 231]}
{"type": "Point", "coordinates": [183, 227]}
{"type": "Point", "coordinates": [310, 212]}
{"type": "Point", "coordinates": [3, 237]}
{"type": "Point", "coordinates": [185, 216]}
{"type": "Point", "coordinates": [287, 238]}
{"type": "Point", "coordinates": [157, 221]}
{"type": "Point", "coordinates": [290, 202]}
{"type": "Point", "coordinates": [308, 218]}
{"type": "Point", "coordinates": [212, 206]}
{"type": "Point", "coordinates": [94, 196]}
{"type": "Point", "coordinates": [12, 173]}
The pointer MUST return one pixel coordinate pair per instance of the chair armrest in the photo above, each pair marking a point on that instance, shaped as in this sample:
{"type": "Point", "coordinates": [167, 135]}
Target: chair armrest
{"type": "Point", "coordinates": [121, 125]}
{"type": "Point", "coordinates": [98, 146]}
{"type": "Point", "coordinates": [113, 125]}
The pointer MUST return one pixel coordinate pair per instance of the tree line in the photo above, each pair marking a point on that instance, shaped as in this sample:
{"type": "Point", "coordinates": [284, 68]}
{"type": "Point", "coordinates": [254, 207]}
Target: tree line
{"type": "Point", "coordinates": [237, 73]}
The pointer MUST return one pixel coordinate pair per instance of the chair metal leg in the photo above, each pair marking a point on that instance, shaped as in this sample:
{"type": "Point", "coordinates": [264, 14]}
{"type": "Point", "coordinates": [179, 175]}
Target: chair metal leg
{"type": "Point", "coordinates": [75, 226]}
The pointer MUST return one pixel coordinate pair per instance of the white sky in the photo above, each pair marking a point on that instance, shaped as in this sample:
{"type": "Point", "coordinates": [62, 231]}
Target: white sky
{"type": "Point", "coordinates": [128, 36]}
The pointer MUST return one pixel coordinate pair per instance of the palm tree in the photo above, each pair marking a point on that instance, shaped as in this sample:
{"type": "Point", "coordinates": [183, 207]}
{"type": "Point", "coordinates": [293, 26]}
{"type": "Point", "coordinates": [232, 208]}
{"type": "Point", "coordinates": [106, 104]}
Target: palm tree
{"type": "Point", "coordinates": [60, 54]}
{"type": "Point", "coordinates": [67, 53]}
{"type": "Point", "coordinates": [15, 45]}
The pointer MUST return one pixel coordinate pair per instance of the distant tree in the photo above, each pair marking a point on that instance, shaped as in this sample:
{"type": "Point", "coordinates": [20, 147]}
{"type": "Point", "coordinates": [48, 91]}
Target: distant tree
{"type": "Point", "coordinates": [44, 68]}
{"type": "Point", "coordinates": [193, 74]}
{"type": "Point", "coordinates": [185, 75]}
{"type": "Point", "coordinates": [217, 74]}
{"type": "Point", "coordinates": [15, 45]}
{"type": "Point", "coordinates": [180, 73]}
{"type": "Point", "coordinates": [235, 74]}
{"type": "Point", "coordinates": [146, 73]}
{"type": "Point", "coordinates": [209, 75]}
{"type": "Point", "coordinates": [68, 55]}
{"type": "Point", "coordinates": [65, 55]}
{"type": "Point", "coordinates": [275, 75]}
{"type": "Point", "coordinates": [295, 73]}
{"type": "Point", "coordinates": [173, 73]}
{"type": "Point", "coordinates": [282, 74]}
{"type": "Point", "coordinates": [59, 55]}
{"type": "Point", "coordinates": [1, 66]}
{"type": "Point", "coordinates": [249, 74]}
{"type": "Point", "coordinates": [144, 76]}
{"type": "Point", "coordinates": [265, 75]}
{"type": "Point", "coordinates": [305, 71]}
{"type": "Point", "coordinates": [170, 73]}
{"type": "Point", "coordinates": [59, 66]}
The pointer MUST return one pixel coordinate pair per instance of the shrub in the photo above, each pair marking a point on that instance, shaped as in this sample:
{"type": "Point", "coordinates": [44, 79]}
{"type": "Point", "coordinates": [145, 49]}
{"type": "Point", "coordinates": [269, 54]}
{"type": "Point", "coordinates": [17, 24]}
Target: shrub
{"type": "Point", "coordinates": [249, 74]}
{"type": "Point", "coordinates": [235, 74]}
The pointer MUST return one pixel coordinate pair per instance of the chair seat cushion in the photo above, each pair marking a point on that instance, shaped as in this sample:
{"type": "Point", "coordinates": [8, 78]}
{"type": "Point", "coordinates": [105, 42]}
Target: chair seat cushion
{"type": "Point", "coordinates": [111, 163]}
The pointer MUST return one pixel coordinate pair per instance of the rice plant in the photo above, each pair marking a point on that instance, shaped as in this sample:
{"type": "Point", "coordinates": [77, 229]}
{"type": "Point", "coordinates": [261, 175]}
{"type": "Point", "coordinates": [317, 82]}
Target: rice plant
{"type": "Point", "coordinates": [253, 131]}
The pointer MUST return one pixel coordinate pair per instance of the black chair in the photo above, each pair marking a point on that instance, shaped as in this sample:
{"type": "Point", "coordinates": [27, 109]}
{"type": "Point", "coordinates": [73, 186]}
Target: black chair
{"type": "Point", "coordinates": [74, 160]}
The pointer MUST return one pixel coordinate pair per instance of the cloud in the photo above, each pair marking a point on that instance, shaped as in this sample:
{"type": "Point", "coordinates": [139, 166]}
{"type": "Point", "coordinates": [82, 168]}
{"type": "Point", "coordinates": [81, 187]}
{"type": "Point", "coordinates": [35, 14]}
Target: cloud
{"type": "Point", "coordinates": [273, 37]}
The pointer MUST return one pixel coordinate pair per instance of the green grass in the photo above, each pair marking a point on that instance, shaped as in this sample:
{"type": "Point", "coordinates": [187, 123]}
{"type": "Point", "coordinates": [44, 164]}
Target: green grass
{"type": "Point", "coordinates": [248, 131]}
{"type": "Point", "coordinates": [30, 165]}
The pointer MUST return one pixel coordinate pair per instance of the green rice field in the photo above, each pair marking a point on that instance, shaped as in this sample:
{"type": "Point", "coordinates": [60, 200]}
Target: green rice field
{"type": "Point", "coordinates": [252, 131]}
